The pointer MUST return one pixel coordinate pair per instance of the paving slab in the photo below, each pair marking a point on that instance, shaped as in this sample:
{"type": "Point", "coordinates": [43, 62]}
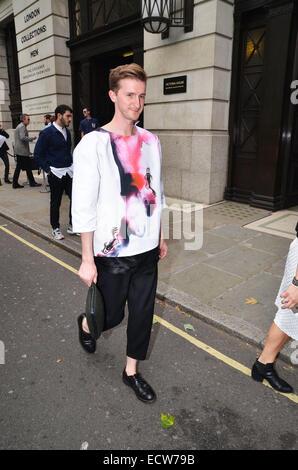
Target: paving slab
{"type": "Point", "coordinates": [269, 243]}
{"type": "Point", "coordinates": [242, 261]}
{"type": "Point", "coordinates": [277, 269]}
{"type": "Point", "coordinates": [234, 213]}
{"type": "Point", "coordinates": [202, 281]}
{"type": "Point", "coordinates": [214, 244]}
{"type": "Point", "coordinates": [263, 287]}
{"type": "Point", "coordinates": [178, 258]}
{"type": "Point", "coordinates": [238, 234]}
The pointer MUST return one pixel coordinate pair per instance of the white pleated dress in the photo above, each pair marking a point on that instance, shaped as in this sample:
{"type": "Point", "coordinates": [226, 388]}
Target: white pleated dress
{"type": "Point", "coordinates": [287, 319]}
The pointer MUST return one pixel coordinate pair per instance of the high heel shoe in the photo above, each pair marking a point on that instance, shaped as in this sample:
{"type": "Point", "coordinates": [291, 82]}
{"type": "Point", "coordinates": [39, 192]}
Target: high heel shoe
{"type": "Point", "coordinates": [261, 371]}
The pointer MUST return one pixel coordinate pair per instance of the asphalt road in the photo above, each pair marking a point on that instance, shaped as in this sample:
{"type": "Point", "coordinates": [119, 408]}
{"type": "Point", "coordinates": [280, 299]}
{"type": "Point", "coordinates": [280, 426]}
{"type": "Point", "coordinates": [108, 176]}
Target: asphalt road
{"type": "Point", "coordinates": [55, 396]}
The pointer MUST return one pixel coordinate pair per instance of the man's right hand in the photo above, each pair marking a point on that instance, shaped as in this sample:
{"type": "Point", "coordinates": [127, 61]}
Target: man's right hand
{"type": "Point", "coordinates": [88, 272]}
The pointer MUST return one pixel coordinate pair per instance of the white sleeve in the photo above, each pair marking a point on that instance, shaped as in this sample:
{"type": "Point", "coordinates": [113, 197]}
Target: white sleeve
{"type": "Point", "coordinates": [85, 184]}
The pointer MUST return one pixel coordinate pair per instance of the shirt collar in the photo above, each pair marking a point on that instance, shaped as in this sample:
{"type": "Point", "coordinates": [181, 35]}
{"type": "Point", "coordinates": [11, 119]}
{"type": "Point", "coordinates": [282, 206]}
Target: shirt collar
{"type": "Point", "coordinates": [61, 129]}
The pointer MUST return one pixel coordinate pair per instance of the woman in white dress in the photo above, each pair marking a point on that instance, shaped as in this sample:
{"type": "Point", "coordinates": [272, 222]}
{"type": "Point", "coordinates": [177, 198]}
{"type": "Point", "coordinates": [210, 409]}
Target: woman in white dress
{"type": "Point", "coordinates": [285, 324]}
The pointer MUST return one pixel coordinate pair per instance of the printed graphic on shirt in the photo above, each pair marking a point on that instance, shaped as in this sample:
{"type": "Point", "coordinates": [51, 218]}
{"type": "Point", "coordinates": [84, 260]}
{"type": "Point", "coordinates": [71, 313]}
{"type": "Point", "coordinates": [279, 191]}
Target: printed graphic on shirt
{"type": "Point", "coordinates": [108, 247]}
{"type": "Point", "coordinates": [137, 190]}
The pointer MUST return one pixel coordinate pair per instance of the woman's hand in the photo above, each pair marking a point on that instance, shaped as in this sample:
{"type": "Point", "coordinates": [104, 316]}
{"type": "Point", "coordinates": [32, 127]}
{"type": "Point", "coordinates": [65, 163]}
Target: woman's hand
{"type": "Point", "coordinates": [290, 297]}
{"type": "Point", "coordinates": [88, 272]}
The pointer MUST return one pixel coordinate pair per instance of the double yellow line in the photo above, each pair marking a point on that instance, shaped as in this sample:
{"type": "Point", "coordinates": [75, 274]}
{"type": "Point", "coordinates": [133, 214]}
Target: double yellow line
{"type": "Point", "coordinates": [199, 344]}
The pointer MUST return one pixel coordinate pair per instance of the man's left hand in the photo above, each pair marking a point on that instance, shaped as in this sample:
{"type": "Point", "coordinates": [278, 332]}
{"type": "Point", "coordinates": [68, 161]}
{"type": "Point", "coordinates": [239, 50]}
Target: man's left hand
{"type": "Point", "coordinates": [163, 249]}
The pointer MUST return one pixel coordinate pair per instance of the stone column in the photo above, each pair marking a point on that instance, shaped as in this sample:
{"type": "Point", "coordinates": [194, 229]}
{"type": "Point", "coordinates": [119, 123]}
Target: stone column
{"type": "Point", "coordinates": [42, 29]}
{"type": "Point", "coordinates": [193, 125]}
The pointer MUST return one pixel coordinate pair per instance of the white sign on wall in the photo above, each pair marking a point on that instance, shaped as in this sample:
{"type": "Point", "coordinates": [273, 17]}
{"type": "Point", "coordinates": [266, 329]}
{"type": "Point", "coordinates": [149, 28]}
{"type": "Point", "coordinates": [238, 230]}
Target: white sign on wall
{"type": "Point", "coordinates": [41, 69]}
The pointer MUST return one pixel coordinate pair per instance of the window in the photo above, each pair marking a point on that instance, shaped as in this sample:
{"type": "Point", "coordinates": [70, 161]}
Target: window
{"type": "Point", "coordinates": [91, 15]}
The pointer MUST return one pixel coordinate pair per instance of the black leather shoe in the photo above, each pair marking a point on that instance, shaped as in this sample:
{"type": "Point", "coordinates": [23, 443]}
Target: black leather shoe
{"type": "Point", "coordinates": [16, 186]}
{"type": "Point", "coordinates": [8, 181]}
{"type": "Point", "coordinates": [35, 184]}
{"type": "Point", "coordinates": [141, 388]}
{"type": "Point", "coordinates": [86, 340]}
{"type": "Point", "coordinates": [261, 371]}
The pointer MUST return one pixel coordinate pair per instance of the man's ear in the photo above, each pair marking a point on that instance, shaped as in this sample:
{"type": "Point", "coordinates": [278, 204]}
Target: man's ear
{"type": "Point", "coordinates": [112, 95]}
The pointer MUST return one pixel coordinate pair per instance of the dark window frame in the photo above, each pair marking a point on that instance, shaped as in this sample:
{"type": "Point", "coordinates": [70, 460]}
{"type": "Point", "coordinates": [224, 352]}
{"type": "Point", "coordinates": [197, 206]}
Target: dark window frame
{"type": "Point", "coordinates": [87, 29]}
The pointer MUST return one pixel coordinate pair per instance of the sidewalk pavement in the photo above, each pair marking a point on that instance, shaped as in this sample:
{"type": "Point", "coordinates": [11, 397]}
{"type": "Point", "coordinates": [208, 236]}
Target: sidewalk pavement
{"type": "Point", "coordinates": [235, 263]}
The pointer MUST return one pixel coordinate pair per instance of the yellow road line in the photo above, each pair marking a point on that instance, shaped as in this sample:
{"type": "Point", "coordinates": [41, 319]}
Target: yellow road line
{"type": "Point", "coordinates": [70, 268]}
{"type": "Point", "coordinates": [213, 352]}
{"type": "Point", "coordinates": [245, 370]}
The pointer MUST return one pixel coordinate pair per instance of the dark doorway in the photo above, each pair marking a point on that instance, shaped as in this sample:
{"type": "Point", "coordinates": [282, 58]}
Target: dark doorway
{"type": "Point", "coordinates": [91, 83]}
{"type": "Point", "coordinates": [100, 67]}
{"type": "Point", "coordinates": [104, 34]}
{"type": "Point", "coordinates": [262, 159]}
{"type": "Point", "coordinates": [13, 74]}
{"type": "Point", "coordinates": [250, 94]}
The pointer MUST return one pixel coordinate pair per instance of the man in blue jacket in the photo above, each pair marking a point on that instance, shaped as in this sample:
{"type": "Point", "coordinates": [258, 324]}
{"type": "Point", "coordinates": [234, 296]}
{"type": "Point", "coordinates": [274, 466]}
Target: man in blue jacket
{"type": "Point", "coordinates": [53, 154]}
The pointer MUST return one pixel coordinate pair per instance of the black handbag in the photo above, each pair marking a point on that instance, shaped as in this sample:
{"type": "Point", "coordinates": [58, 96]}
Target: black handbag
{"type": "Point", "coordinates": [95, 311]}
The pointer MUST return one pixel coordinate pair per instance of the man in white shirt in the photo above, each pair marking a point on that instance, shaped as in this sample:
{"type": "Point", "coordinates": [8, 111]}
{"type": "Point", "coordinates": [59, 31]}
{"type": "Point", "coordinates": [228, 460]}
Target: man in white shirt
{"type": "Point", "coordinates": [53, 154]}
{"type": "Point", "coordinates": [117, 200]}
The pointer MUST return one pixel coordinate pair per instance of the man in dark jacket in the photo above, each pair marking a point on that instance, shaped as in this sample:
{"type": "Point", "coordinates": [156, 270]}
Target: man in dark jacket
{"type": "Point", "coordinates": [88, 124]}
{"type": "Point", "coordinates": [3, 153]}
{"type": "Point", "coordinates": [53, 154]}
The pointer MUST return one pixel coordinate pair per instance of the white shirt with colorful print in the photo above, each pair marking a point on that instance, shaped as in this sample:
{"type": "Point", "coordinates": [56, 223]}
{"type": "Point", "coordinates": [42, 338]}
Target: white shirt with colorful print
{"type": "Point", "coordinates": [118, 191]}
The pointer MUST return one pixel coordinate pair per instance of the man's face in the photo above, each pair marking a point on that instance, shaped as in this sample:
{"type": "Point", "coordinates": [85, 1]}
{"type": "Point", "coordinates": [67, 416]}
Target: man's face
{"type": "Point", "coordinates": [130, 98]}
{"type": "Point", "coordinates": [65, 118]}
{"type": "Point", "coordinates": [26, 120]}
{"type": "Point", "coordinates": [86, 112]}
{"type": "Point", "coordinates": [46, 120]}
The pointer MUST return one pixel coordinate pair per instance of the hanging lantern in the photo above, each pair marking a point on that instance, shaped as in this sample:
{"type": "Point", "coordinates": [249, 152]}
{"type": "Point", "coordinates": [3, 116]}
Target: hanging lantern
{"type": "Point", "coordinates": [156, 15]}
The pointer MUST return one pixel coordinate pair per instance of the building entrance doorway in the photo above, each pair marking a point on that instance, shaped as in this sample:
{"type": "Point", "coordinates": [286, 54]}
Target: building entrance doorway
{"type": "Point", "coordinates": [101, 66]}
{"type": "Point", "coordinates": [92, 86]}
{"type": "Point", "coordinates": [263, 155]}
{"type": "Point", "coordinates": [13, 74]}
{"type": "Point", "coordinates": [104, 34]}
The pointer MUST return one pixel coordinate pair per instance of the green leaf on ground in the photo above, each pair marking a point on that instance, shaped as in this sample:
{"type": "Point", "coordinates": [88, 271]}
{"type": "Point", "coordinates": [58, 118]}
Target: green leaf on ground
{"type": "Point", "coordinates": [189, 327]}
{"type": "Point", "coordinates": [167, 421]}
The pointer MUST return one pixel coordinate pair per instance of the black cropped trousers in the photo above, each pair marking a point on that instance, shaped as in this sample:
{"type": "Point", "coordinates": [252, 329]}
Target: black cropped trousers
{"type": "Point", "coordinates": [57, 187]}
{"type": "Point", "coordinates": [132, 279]}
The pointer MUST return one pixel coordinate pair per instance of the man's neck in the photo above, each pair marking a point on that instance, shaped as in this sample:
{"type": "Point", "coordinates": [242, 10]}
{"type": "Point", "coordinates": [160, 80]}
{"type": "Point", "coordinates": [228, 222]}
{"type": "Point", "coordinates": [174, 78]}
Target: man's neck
{"type": "Point", "coordinates": [59, 123]}
{"type": "Point", "coordinates": [126, 128]}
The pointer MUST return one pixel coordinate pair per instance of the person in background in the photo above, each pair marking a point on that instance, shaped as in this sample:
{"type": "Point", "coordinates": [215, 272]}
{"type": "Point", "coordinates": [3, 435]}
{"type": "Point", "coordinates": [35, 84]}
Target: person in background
{"type": "Point", "coordinates": [3, 153]}
{"type": "Point", "coordinates": [22, 151]}
{"type": "Point", "coordinates": [88, 124]}
{"type": "Point", "coordinates": [53, 154]}
{"type": "Point", "coordinates": [47, 120]}
{"type": "Point", "coordinates": [285, 324]}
